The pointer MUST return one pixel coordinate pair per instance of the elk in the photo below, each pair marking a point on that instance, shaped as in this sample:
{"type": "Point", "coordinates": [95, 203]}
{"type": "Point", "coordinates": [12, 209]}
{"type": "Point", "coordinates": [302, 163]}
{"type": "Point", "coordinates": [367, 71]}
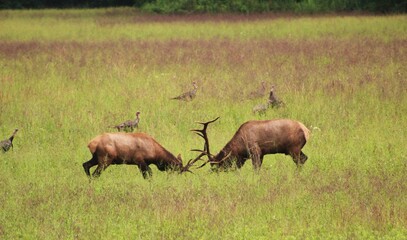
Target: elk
{"type": "Point", "coordinates": [254, 139]}
{"type": "Point", "coordinates": [134, 149]}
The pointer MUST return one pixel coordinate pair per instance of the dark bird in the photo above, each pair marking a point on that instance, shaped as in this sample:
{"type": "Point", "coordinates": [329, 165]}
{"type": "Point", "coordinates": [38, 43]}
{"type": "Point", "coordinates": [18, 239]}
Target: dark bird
{"type": "Point", "coordinates": [6, 144]}
{"type": "Point", "coordinates": [187, 96]}
{"type": "Point", "coordinates": [273, 99]}
{"type": "Point", "coordinates": [129, 125]}
{"type": "Point", "coordinates": [259, 92]}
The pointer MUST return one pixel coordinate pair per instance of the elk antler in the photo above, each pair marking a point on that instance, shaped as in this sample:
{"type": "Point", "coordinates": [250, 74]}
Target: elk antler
{"type": "Point", "coordinates": [223, 159]}
{"type": "Point", "coordinates": [202, 133]}
{"type": "Point", "coordinates": [216, 162]}
{"type": "Point", "coordinates": [190, 163]}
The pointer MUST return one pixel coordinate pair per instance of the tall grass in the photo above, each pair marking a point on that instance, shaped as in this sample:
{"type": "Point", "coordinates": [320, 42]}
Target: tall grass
{"type": "Point", "coordinates": [128, 24]}
{"type": "Point", "coordinates": [67, 76]}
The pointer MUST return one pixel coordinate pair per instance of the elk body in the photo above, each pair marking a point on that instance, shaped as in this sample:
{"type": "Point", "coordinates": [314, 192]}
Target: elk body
{"type": "Point", "coordinates": [254, 139]}
{"type": "Point", "coordinates": [130, 148]}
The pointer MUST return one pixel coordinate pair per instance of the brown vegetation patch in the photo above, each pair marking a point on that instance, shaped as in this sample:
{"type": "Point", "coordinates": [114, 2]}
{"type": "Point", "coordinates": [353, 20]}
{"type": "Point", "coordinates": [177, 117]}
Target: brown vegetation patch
{"type": "Point", "coordinates": [337, 53]}
{"type": "Point", "coordinates": [318, 64]}
{"type": "Point", "coordinates": [114, 17]}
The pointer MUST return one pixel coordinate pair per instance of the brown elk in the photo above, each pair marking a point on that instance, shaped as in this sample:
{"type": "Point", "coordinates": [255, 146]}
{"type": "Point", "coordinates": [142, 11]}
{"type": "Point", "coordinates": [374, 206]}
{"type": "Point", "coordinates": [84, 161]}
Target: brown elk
{"type": "Point", "coordinates": [131, 148]}
{"type": "Point", "coordinates": [254, 139]}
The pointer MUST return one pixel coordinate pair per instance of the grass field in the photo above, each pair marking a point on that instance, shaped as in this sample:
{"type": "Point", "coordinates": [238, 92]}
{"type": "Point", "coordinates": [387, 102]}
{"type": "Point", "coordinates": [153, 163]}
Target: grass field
{"type": "Point", "coordinates": [67, 75]}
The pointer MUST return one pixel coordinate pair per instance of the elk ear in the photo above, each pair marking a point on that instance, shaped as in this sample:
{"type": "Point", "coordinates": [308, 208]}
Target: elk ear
{"type": "Point", "coordinates": [179, 157]}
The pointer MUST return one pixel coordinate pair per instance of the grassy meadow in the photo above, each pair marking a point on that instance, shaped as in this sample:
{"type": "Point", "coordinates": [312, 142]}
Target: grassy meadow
{"type": "Point", "coordinates": [67, 75]}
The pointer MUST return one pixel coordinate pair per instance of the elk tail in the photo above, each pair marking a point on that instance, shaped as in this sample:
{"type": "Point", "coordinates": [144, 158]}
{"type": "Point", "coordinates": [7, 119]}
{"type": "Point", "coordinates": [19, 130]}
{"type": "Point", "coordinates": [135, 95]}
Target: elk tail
{"type": "Point", "coordinates": [307, 132]}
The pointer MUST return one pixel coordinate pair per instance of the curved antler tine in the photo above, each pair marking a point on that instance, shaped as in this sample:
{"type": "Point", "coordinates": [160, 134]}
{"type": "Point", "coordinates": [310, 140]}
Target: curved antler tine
{"type": "Point", "coordinates": [227, 156]}
{"type": "Point", "coordinates": [213, 120]}
{"type": "Point", "coordinates": [196, 150]}
{"type": "Point", "coordinates": [203, 152]}
{"type": "Point", "coordinates": [185, 169]}
{"type": "Point", "coordinates": [198, 132]}
{"type": "Point", "coordinates": [206, 123]}
{"type": "Point", "coordinates": [203, 164]}
{"type": "Point", "coordinates": [189, 161]}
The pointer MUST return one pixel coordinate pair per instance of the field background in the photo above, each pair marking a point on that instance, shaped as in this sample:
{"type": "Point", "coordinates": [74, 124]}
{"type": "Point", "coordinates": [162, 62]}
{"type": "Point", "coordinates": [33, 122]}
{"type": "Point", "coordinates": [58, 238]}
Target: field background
{"type": "Point", "coordinates": [67, 75]}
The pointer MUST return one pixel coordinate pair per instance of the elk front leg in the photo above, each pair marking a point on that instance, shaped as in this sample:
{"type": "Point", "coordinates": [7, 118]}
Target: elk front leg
{"type": "Point", "coordinates": [145, 170]}
{"type": "Point", "coordinates": [87, 165]}
{"type": "Point", "coordinates": [257, 157]}
{"type": "Point", "coordinates": [297, 157]}
{"type": "Point", "coordinates": [240, 162]}
{"type": "Point", "coordinates": [257, 162]}
{"type": "Point", "coordinates": [303, 157]}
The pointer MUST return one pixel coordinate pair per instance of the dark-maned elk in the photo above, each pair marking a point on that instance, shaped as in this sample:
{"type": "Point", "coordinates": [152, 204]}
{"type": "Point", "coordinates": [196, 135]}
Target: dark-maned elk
{"type": "Point", "coordinates": [254, 139]}
{"type": "Point", "coordinates": [131, 148]}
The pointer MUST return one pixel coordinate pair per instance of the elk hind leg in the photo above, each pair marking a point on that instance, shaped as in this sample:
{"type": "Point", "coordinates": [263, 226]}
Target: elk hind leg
{"type": "Point", "coordinates": [103, 163]}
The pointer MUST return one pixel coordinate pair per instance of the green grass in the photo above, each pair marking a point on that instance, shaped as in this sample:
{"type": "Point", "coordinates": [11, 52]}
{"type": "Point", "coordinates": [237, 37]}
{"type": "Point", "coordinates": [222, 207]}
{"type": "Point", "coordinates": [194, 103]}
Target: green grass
{"type": "Point", "coordinates": [66, 76]}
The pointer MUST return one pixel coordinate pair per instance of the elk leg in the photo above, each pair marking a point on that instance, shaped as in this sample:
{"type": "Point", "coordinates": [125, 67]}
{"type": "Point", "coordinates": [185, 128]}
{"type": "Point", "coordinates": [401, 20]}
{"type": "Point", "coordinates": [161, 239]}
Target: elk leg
{"type": "Point", "coordinates": [257, 162]}
{"type": "Point", "coordinates": [303, 157]}
{"type": "Point", "coordinates": [145, 170]}
{"type": "Point", "coordinates": [103, 163]}
{"type": "Point", "coordinates": [87, 165]}
{"type": "Point", "coordinates": [150, 173]}
{"type": "Point", "coordinates": [97, 171]}
{"type": "Point", "coordinates": [257, 159]}
{"type": "Point", "coordinates": [296, 156]}
{"type": "Point", "coordinates": [240, 162]}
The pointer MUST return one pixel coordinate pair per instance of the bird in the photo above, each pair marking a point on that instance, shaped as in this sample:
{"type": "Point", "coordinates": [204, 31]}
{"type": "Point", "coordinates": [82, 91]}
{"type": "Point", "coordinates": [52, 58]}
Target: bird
{"type": "Point", "coordinates": [273, 99]}
{"type": "Point", "coordinates": [261, 108]}
{"type": "Point", "coordinates": [259, 92]}
{"type": "Point", "coordinates": [187, 96]}
{"type": "Point", "coordinates": [129, 125]}
{"type": "Point", "coordinates": [6, 144]}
